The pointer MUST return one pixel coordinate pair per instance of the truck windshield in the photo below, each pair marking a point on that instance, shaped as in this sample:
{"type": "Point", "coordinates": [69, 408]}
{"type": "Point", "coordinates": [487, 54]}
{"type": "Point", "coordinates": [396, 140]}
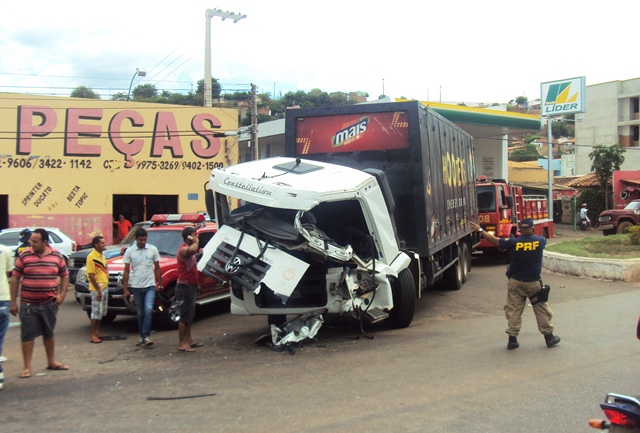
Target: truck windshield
{"type": "Point", "coordinates": [486, 198]}
{"type": "Point", "coordinates": [166, 241]}
{"type": "Point", "coordinates": [634, 205]}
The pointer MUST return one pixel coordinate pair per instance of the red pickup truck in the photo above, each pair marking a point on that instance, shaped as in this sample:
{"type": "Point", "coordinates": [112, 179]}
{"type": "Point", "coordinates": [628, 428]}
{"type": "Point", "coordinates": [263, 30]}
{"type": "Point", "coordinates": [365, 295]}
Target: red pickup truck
{"type": "Point", "coordinates": [618, 221]}
{"type": "Point", "coordinates": [166, 235]}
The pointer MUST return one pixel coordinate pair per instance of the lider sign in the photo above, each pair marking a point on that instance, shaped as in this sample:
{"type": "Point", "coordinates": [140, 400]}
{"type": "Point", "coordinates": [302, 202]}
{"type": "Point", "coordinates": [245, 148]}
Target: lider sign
{"type": "Point", "coordinates": [567, 96]}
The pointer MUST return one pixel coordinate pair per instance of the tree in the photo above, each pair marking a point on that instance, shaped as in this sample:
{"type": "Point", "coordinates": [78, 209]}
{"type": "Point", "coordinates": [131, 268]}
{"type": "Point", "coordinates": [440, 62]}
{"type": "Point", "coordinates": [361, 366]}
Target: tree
{"type": "Point", "coordinates": [604, 161]}
{"type": "Point", "coordinates": [215, 88]}
{"type": "Point", "coordinates": [528, 153]}
{"type": "Point", "coordinates": [144, 92]}
{"type": "Point", "coordinates": [522, 100]}
{"type": "Point", "coordinates": [84, 92]}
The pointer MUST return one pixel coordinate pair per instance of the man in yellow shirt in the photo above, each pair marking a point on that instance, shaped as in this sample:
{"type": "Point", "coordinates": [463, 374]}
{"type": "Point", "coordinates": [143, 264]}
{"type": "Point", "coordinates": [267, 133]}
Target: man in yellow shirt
{"type": "Point", "coordinates": [98, 286]}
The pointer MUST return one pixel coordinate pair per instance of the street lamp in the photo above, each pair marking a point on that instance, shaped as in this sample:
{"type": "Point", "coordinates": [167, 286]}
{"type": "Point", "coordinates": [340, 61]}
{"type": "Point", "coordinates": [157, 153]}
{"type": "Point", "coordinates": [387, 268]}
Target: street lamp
{"type": "Point", "coordinates": [208, 14]}
{"type": "Point", "coordinates": [138, 73]}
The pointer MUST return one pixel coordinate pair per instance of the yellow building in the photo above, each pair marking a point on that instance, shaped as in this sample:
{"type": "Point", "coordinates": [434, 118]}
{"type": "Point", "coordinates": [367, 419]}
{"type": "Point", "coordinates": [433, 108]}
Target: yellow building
{"type": "Point", "coordinates": [76, 163]}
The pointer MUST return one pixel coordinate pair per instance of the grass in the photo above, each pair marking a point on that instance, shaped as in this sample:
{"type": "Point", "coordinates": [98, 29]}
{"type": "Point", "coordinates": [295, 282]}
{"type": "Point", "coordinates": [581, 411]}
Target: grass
{"type": "Point", "coordinates": [602, 247]}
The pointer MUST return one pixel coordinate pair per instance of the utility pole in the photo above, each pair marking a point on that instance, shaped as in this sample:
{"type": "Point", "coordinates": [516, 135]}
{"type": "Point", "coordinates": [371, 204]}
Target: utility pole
{"type": "Point", "coordinates": [208, 14]}
{"type": "Point", "coordinates": [254, 122]}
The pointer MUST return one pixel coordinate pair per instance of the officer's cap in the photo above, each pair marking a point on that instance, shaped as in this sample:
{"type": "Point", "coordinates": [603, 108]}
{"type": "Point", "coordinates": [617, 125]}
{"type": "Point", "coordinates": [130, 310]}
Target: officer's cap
{"type": "Point", "coordinates": [25, 235]}
{"type": "Point", "coordinates": [526, 223]}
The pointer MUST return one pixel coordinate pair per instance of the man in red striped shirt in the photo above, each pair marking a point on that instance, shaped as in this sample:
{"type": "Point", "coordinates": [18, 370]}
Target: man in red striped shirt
{"type": "Point", "coordinates": [37, 271]}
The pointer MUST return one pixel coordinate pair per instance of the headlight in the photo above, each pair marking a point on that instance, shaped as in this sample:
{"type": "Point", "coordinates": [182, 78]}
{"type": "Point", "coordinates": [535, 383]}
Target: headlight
{"type": "Point", "coordinates": [82, 275]}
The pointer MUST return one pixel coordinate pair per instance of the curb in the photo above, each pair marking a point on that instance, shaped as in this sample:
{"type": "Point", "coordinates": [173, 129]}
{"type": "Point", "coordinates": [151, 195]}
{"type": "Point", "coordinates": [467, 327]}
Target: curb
{"type": "Point", "coordinates": [615, 270]}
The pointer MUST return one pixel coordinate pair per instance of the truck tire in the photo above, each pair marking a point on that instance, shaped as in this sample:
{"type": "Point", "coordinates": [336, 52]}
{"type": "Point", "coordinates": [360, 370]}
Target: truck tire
{"type": "Point", "coordinates": [466, 261]}
{"type": "Point", "coordinates": [623, 227]}
{"type": "Point", "coordinates": [453, 275]}
{"type": "Point", "coordinates": [109, 318]}
{"type": "Point", "coordinates": [403, 290]}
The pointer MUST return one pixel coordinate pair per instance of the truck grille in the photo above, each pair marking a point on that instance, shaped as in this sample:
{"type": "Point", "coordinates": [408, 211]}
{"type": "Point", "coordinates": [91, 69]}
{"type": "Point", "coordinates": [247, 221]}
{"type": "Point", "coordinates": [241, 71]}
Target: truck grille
{"type": "Point", "coordinates": [248, 277]}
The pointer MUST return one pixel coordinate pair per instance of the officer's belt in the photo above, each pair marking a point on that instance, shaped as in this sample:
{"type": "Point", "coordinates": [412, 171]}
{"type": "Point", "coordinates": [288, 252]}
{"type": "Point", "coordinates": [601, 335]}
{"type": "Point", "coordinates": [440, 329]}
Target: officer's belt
{"type": "Point", "coordinates": [525, 281]}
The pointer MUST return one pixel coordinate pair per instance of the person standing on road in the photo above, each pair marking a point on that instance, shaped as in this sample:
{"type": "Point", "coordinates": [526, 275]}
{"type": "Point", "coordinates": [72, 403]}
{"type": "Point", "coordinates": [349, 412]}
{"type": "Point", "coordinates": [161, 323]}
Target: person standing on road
{"type": "Point", "coordinates": [187, 288]}
{"type": "Point", "coordinates": [524, 281]}
{"type": "Point", "coordinates": [24, 241]}
{"type": "Point", "coordinates": [123, 226]}
{"type": "Point", "coordinates": [98, 286]}
{"type": "Point", "coordinates": [36, 272]}
{"type": "Point", "coordinates": [142, 264]}
{"type": "Point", "coordinates": [583, 214]}
{"type": "Point", "coordinates": [6, 266]}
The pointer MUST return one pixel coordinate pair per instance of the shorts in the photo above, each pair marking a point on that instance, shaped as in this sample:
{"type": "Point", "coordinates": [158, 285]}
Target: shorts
{"type": "Point", "coordinates": [37, 320]}
{"type": "Point", "coordinates": [187, 294]}
{"type": "Point", "coordinates": [99, 308]}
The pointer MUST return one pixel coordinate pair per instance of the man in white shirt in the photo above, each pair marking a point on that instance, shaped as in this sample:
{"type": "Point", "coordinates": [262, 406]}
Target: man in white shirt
{"type": "Point", "coordinates": [143, 278]}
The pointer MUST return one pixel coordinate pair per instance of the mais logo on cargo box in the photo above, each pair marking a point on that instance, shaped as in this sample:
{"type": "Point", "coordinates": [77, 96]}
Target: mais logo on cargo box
{"type": "Point", "coordinates": [350, 132]}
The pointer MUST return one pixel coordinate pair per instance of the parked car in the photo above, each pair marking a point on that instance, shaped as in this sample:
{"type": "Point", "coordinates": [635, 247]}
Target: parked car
{"type": "Point", "coordinates": [58, 239]}
{"type": "Point", "coordinates": [618, 221]}
{"type": "Point", "coordinates": [79, 258]}
{"type": "Point", "coordinates": [166, 235]}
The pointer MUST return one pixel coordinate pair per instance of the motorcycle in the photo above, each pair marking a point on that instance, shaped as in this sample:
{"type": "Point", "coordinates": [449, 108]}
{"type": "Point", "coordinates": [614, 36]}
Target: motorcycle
{"type": "Point", "coordinates": [622, 412]}
{"type": "Point", "coordinates": [584, 225]}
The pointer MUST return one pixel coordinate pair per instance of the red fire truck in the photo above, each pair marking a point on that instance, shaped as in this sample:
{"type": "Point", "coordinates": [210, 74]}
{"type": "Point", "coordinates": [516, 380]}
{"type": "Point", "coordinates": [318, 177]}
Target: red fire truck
{"type": "Point", "coordinates": [501, 206]}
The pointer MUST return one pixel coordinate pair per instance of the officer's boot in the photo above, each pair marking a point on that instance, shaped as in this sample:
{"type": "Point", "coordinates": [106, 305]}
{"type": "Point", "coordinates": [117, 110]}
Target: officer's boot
{"type": "Point", "coordinates": [551, 340]}
{"type": "Point", "coordinates": [513, 343]}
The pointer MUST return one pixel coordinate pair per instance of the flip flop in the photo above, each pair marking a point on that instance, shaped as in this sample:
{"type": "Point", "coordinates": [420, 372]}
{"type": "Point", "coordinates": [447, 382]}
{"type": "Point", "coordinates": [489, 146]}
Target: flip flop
{"type": "Point", "coordinates": [96, 340]}
{"type": "Point", "coordinates": [58, 367]}
{"type": "Point", "coordinates": [25, 375]}
{"type": "Point", "coordinates": [188, 349]}
{"type": "Point", "coordinates": [194, 345]}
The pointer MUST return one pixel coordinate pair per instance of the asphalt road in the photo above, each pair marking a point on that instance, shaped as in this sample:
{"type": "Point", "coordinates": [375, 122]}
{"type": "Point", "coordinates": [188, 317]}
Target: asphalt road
{"type": "Point", "coordinates": [449, 371]}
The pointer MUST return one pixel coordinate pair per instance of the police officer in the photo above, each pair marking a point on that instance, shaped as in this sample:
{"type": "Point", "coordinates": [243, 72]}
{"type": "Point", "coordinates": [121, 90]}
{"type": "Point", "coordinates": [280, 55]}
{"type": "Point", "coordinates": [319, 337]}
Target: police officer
{"type": "Point", "coordinates": [524, 281]}
{"type": "Point", "coordinates": [25, 235]}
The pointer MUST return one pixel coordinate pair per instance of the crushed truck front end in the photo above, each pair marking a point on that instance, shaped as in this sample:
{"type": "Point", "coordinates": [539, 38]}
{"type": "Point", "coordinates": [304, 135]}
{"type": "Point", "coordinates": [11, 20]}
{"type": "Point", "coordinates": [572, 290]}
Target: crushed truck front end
{"type": "Point", "coordinates": [297, 237]}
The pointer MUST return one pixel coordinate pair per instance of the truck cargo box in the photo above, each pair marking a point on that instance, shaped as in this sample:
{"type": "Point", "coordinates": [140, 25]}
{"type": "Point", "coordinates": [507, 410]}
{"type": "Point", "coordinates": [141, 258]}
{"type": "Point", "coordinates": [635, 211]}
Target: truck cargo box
{"type": "Point", "coordinates": [428, 162]}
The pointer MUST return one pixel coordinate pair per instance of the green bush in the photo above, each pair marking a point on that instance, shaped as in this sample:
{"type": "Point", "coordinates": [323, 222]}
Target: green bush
{"type": "Point", "coordinates": [634, 235]}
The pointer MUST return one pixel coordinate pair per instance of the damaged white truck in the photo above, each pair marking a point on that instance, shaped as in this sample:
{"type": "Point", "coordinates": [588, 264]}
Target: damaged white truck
{"type": "Point", "coordinates": [371, 207]}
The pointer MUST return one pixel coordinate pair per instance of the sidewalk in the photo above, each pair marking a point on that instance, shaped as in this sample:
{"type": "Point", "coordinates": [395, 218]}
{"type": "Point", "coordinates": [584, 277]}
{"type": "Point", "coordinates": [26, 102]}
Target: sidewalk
{"type": "Point", "coordinates": [615, 270]}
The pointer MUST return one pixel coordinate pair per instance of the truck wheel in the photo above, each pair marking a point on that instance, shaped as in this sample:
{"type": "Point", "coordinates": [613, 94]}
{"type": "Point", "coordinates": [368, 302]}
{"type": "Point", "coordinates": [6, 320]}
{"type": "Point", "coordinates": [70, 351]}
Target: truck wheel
{"type": "Point", "coordinates": [453, 275]}
{"type": "Point", "coordinates": [403, 290]}
{"type": "Point", "coordinates": [466, 261]}
{"type": "Point", "coordinates": [109, 318]}
{"type": "Point", "coordinates": [623, 227]}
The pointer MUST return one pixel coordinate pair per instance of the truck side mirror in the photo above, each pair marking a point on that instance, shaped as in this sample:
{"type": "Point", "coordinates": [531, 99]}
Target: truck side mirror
{"type": "Point", "coordinates": [209, 203]}
{"type": "Point", "coordinates": [510, 201]}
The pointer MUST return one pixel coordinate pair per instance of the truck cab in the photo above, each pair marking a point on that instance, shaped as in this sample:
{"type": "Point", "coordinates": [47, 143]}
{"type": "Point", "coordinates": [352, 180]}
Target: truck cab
{"type": "Point", "coordinates": [301, 237]}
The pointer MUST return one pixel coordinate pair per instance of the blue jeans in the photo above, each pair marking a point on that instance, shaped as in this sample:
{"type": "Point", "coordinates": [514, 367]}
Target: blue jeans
{"type": "Point", "coordinates": [4, 323]}
{"type": "Point", "coordinates": [145, 299]}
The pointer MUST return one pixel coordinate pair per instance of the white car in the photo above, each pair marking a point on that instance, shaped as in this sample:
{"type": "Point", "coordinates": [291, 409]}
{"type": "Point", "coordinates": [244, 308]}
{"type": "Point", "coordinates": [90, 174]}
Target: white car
{"type": "Point", "coordinates": [57, 239]}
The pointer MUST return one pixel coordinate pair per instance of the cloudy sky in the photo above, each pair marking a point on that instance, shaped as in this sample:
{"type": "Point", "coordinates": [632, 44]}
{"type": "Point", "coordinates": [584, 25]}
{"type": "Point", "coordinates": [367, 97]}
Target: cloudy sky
{"type": "Point", "coordinates": [467, 50]}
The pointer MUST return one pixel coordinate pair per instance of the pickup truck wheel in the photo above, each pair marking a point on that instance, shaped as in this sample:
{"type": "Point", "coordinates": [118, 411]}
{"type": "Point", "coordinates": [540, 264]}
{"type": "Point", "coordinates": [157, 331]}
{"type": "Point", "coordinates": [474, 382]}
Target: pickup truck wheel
{"type": "Point", "coordinates": [162, 319]}
{"type": "Point", "coordinates": [403, 290]}
{"type": "Point", "coordinates": [109, 318]}
{"type": "Point", "coordinates": [623, 227]}
{"type": "Point", "coordinates": [466, 261]}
